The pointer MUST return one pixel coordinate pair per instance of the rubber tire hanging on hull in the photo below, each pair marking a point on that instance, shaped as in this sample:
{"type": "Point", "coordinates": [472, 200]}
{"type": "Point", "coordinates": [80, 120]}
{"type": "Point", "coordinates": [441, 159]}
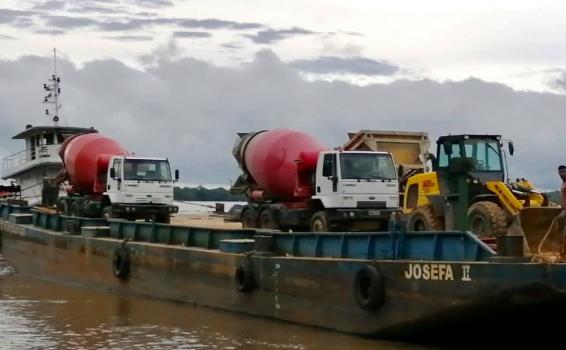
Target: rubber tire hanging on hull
{"type": "Point", "coordinates": [244, 277]}
{"type": "Point", "coordinates": [121, 262]}
{"type": "Point", "coordinates": [369, 288]}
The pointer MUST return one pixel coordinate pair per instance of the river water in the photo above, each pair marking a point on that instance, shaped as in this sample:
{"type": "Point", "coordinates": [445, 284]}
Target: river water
{"type": "Point", "coordinates": [37, 314]}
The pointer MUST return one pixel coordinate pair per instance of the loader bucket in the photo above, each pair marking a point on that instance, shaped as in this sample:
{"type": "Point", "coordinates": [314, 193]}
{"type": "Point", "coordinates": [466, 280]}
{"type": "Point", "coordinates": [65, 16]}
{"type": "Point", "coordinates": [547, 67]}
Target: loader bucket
{"type": "Point", "coordinates": [535, 223]}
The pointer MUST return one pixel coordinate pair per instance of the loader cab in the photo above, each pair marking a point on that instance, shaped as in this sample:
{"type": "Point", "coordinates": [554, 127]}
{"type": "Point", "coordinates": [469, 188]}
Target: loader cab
{"type": "Point", "coordinates": [480, 156]}
{"type": "Point", "coordinates": [353, 179]}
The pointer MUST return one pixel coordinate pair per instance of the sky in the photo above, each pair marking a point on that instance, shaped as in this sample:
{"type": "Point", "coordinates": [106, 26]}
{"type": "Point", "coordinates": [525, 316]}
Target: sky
{"type": "Point", "coordinates": [180, 78]}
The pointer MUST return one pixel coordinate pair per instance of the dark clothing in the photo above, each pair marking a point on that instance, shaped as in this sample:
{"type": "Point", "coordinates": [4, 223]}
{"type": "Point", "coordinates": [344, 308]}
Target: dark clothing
{"type": "Point", "coordinates": [563, 189]}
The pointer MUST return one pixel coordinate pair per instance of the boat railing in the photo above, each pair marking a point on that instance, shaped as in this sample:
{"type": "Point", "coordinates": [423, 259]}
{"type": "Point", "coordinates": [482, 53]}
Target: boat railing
{"type": "Point", "coordinates": [35, 154]}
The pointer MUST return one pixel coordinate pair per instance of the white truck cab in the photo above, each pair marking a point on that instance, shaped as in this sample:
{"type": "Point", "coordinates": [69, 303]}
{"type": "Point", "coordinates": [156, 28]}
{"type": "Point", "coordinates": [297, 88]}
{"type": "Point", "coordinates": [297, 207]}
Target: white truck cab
{"type": "Point", "coordinates": [363, 182]}
{"type": "Point", "coordinates": [136, 186]}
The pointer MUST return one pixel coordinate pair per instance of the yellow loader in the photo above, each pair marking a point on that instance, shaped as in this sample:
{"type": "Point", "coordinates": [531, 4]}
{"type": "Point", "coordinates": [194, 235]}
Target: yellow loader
{"type": "Point", "coordinates": [468, 190]}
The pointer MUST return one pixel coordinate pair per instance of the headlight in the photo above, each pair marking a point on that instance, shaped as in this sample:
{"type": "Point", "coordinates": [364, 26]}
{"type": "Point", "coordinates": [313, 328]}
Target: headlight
{"type": "Point", "coordinates": [352, 214]}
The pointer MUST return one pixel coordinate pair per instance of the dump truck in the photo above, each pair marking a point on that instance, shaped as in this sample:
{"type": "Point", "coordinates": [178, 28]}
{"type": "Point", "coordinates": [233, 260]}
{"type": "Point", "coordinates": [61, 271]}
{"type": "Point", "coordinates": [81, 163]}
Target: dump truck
{"type": "Point", "coordinates": [468, 189]}
{"type": "Point", "coordinates": [105, 180]}
{"type": "Point", "coordinates": [293, 182]}
{"type": "Point", "coordinates": [410, 150]}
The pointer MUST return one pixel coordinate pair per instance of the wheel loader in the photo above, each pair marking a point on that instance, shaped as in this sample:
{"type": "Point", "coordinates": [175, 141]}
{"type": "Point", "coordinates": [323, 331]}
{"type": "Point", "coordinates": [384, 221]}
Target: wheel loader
{"type": "Point", "coordinates": [468, 190]}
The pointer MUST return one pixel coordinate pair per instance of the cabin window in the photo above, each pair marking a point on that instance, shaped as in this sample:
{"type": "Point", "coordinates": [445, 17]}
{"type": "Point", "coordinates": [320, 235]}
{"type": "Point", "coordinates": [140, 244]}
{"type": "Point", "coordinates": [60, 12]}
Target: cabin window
{"type": "Point", "coordinates": [327, 165]}
{"type": "Point", "coordinates": [49, 139]}
{"type": "Point", "coordinates": [118, 167]}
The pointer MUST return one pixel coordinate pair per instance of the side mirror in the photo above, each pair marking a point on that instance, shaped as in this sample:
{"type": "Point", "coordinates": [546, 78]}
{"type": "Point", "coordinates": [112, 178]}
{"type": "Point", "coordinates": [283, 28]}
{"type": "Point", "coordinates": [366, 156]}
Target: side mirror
{"type": "Point", "coordinates": [113, 173]}
{"type": "Point", "coordinates": [176, 174]}
{"type": "Point", "coordinates": [511, 148]}
{"type": "Point", "coordinates": [400, 170]}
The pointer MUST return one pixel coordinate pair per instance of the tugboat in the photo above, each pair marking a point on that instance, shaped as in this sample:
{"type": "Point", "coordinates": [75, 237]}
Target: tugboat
{"type": "Point", "coordinates": [27, 168]}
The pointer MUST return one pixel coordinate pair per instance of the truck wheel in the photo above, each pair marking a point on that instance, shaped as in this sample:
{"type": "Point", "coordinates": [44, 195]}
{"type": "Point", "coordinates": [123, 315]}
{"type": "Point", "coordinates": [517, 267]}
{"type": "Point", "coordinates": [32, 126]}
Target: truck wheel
{"type": "Point", "coordinates": [107, 212]}
{"type": "Point", "coordinates": [268, 220]}
{"type": "Point", "coordinates": [423, 218]}
{"type": "Point", "coordinates": [487, 219]}
{"type": "Point", "coordinates": [163, 219]}
{"type": "Point", "coordinates": [319, 222]}
{"type": "Point", "coordinates": [63, 206]}
{"type": "Point", "coordinates": [75, 209]}
{"type": "Point", "coordinates": [249, 218]}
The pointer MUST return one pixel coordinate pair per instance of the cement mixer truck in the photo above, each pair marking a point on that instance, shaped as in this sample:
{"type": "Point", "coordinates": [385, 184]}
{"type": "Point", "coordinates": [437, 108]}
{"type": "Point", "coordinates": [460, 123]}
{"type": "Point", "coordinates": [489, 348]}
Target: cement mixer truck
{"type": "Point", "coordinates": [294, 182]}
{"type": "Point", "coordinates": [104, 180]}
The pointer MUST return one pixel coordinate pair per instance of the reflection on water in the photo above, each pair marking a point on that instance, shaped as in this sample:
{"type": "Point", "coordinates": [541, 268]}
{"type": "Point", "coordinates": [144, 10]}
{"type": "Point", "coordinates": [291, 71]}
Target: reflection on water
{"type": "Point", "coordinates": [36, 314]}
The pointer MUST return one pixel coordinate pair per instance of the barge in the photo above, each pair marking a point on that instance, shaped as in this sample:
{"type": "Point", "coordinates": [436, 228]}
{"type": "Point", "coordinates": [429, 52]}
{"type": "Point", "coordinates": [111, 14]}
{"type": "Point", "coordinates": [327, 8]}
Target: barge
{"type": "Point", "coordinates": [386, 284]}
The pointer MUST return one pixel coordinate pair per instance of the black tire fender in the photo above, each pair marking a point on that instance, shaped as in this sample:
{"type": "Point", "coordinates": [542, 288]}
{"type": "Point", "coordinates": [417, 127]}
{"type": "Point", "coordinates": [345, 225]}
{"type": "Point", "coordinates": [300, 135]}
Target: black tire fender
{"type": "Point", "coordinates": [121, 262]}
{"type": "Point", "coordinates": [244, 277]}
{"type": "Point", "coordinates": [369, 288]}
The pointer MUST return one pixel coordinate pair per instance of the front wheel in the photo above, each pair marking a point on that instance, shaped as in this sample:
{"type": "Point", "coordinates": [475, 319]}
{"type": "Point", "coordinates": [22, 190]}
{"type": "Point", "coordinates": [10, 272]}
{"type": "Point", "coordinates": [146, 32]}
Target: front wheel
{"type": "Point", "coordinates": [319, 222]}
{"type": "Point", "coordinates": [107, 212]}
{"type": "Point", "coordinates": [487, 219]}
{"type": "Point", "coordinates": [163, 219]}
{"type": "Point", "coordinates": [424, 218]}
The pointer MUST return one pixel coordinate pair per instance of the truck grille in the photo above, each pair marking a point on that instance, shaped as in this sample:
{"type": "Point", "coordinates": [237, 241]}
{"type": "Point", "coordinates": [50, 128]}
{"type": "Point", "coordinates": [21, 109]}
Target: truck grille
{"type": "Point", "coordinates": [372, 205]}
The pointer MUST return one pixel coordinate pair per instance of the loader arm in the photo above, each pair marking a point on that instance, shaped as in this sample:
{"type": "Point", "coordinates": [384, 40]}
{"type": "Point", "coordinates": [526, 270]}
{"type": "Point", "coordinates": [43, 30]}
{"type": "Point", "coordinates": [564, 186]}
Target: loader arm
{"type": "Point", "coordinates": [505, 196]}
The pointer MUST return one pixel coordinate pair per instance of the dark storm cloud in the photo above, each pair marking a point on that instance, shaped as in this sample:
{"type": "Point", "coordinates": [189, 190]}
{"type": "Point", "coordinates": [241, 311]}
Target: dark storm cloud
{"type": "Point", "coordinates": [130, 38]}
{"type": "Point", "coordinates": [192, 35]}
{"type": "Point", "coordinates": [190, 110]}
{"type": "Point", "coordinates": [269, 36]}
{"type": "Point", "coordinates": [353, 65]}
{"type": "Point", "coordinates": [50, 5]}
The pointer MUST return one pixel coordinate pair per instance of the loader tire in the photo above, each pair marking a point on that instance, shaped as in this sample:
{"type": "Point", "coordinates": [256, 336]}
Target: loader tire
{"type": "Point", "coordinates": [487, 219]}
{"type": "Point", "coordinates": [423, 218]}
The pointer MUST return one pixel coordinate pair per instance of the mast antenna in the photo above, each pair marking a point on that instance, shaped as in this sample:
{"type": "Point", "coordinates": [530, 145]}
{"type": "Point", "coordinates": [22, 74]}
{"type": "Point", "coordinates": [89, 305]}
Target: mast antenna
{"type": "Point", "coordinates": [53, 87]}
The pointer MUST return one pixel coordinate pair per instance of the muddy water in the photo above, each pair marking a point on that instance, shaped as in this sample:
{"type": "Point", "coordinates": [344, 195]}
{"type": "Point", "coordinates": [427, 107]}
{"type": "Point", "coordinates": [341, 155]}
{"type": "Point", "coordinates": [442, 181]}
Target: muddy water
{"type": "Point", "coordinates": [36, 314]}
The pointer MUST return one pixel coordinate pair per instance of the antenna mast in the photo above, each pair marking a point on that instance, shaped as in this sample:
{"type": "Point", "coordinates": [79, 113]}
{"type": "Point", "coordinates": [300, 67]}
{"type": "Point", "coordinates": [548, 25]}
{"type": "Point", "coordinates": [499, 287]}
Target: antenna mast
{"type": "Point", "coordinates": [54, 89]}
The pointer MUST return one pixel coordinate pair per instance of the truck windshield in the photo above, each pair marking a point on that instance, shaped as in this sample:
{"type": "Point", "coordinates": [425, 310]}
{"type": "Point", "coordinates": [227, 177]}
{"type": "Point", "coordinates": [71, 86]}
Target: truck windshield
{"type": "Point", "coordinates": [147, 170]}
{"type": "Point", "coordinates": [368, 166]}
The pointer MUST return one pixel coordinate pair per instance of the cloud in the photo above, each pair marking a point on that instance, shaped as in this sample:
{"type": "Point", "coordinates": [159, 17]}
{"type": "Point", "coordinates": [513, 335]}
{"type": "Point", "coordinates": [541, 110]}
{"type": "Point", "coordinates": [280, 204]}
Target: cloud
{"type": "Point", "coordinates": [560, 82]}
{"type": "Point", "coordinates": [269, 36]}
{"type": "Point", "coordinates": [130, 38]}
{"type": "Point", "coordinates": [173, 109]}
{"type": "Point", "coordinates": [50, 5]}
{"type": "Point", "coordinates": [211, 23]}
{"type": "Point", "coordinates": [352, 65]}
{"type": "Point", "coordinates": [66, 22]}
{"type": "Point", "coordinates": [151, 3]}
{"type": "Point", "coordinates": [50, 31]}
{"type": "Point", "coordinates": [6, 37]}
{"type": "Point", "coordinates": [96, 9]}
{"type": "Point", "coordinates": [192, 35]}
{"type": "Point", "coordinates": [10, 16]}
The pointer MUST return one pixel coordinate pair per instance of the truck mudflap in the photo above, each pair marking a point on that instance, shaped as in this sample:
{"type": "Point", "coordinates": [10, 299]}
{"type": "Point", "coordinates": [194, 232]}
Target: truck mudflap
{"type": "Point", "coordinates": [141, 209]}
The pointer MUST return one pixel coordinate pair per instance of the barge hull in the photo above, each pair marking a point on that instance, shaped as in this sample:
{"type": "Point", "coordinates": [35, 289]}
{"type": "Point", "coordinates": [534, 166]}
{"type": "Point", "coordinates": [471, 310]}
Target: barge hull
{"type": "Point", "coordinates": [312, 291]}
